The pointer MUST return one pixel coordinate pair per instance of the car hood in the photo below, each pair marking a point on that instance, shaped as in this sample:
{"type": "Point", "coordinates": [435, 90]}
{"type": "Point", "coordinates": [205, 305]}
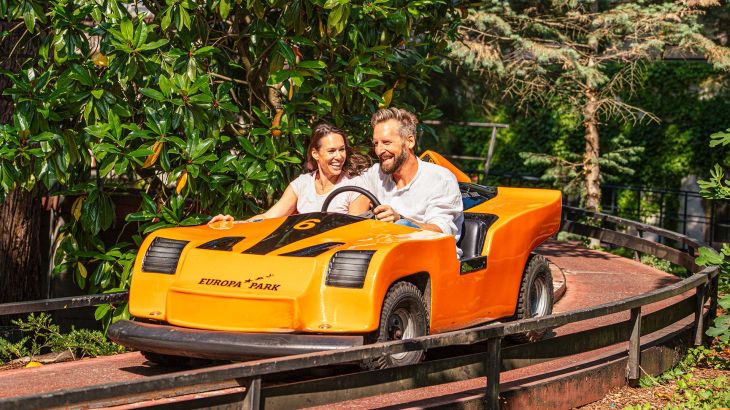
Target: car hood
{"type": "Point", "coordinates": [258, 257]}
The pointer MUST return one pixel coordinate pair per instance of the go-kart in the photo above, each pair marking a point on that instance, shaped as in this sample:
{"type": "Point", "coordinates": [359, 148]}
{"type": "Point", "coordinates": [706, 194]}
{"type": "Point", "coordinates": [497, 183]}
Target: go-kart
{"type": "Point", "coordinates": [318, 281]}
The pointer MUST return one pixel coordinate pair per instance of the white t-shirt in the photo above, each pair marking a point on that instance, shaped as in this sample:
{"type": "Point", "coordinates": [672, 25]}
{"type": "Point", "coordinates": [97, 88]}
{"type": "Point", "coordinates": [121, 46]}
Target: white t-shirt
{"type": "Point", "coordinates": [432, 197]}
{"type": "Point", "coordinates": [309, 201]}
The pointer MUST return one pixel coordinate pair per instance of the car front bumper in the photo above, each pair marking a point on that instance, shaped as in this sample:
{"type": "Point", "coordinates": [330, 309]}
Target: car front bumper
{"type": "Point", "coordinates": [221, 345]}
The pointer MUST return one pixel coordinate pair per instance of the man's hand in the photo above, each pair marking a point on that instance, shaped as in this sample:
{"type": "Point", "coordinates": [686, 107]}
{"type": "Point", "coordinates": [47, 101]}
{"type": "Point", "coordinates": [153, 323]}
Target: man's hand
{"type": "Point", "coordinates": [386, 213]}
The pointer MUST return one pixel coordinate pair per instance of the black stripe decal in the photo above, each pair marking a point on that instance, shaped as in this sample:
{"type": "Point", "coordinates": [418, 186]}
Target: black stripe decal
{"type": "Point", "coordinates": [225, 243]}
{"type": "Point", "coordinates": [302, 226]}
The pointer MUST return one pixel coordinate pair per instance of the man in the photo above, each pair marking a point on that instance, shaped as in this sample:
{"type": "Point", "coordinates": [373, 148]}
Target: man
{"type": "Point", "coordinates": [412, 192]}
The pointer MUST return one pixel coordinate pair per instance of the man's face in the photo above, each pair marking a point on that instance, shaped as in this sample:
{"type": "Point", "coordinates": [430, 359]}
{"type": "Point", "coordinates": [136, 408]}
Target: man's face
{"type": "Point", "coordinates": [391, 149]}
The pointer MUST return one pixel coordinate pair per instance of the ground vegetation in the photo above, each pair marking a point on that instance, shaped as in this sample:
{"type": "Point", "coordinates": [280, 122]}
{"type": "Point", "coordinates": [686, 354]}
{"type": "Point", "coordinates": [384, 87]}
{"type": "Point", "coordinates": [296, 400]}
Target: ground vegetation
{"type": "Point", "coordinates": [39, 336]}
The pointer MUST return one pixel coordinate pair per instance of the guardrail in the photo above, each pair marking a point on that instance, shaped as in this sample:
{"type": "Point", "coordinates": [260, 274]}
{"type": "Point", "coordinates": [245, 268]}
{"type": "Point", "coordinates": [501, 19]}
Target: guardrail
{"type": "Point", "coordinates": [246, 378]}
{"type": "Point", "coordinates": [71, 302]}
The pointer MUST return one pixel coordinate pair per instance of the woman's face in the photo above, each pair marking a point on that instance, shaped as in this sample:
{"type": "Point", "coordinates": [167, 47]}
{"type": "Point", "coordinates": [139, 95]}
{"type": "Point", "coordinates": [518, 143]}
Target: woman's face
{"type": "Point", "coordinates": [331, 154]}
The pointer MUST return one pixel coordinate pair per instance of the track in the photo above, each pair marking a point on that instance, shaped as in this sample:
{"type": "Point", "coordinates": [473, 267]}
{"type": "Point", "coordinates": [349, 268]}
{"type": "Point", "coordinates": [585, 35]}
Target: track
{"type": "Point", "coordinates": [592, 278]}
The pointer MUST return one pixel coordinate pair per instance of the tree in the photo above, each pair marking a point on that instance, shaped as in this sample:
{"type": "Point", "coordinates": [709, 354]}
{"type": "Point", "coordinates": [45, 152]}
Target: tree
{"type": "Point", "coordinates": [21, 213]}
{"type": "Point", "coordinates": [581, 55]}
{"type": "Point", "coordinates": [201, 107]}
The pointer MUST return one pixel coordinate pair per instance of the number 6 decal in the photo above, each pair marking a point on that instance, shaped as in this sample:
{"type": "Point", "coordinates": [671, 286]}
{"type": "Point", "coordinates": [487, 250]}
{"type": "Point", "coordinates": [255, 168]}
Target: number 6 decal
{"type": "Point", "coordinates": [306, 224]}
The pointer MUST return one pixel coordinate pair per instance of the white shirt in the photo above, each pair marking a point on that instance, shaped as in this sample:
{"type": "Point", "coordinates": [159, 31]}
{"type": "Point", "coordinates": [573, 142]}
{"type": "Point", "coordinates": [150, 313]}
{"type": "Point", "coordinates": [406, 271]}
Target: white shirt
{"type": "Point", "coordinates": [309, 201]}
{"type": "Point", "coordinates": [432, 197]}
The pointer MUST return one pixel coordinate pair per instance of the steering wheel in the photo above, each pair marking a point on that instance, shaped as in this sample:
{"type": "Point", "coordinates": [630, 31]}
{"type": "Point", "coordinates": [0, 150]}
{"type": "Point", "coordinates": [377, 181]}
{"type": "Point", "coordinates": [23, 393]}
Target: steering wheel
{"type": "Point", "coordinates": [352, 188]}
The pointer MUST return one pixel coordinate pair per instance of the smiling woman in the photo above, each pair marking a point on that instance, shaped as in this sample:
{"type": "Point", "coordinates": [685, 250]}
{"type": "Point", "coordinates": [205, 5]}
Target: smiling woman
{"type": "Point", "coordinates": [330, 164]}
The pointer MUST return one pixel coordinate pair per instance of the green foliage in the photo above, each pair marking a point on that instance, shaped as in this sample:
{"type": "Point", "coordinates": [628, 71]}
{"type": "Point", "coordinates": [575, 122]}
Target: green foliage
{"type": "Point", "coordinates": [679, 143]}
{"type": "Point", "coordinates": [580, 58]}
{"type": "Point", "coordinates": [692, 392]}
{"type": "Point", "coordinates": [41, 335]}
{"type": "Point", "coordinates": [689, 391]}
{"type": "Point", "coordinates": [709, 257]}
{"type": "Point", "coordinates": [204, 107]}
{"type": "Point", "coordinates": [717, 187]}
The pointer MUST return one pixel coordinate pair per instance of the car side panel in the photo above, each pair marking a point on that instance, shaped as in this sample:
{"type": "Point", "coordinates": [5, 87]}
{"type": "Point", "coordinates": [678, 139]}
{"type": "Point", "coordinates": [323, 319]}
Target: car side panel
{"type": "Point", "coordinates": [358, 310]}
{"type": "Point", "coordinates": [526, 218]}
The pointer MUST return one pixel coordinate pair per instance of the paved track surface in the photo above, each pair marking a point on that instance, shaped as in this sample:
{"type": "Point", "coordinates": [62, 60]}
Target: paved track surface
{"type": "Point", "coordinates": [592, 278]}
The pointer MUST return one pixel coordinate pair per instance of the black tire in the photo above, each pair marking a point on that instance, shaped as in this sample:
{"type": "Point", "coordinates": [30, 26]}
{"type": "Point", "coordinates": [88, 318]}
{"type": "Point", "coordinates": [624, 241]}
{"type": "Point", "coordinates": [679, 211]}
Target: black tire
{"type": "Point", "coordinates": [404, 316]}
{"type": "Point", "coordinates": [536, 297]}
{"type": "Point", "coordinates": [166, 359]}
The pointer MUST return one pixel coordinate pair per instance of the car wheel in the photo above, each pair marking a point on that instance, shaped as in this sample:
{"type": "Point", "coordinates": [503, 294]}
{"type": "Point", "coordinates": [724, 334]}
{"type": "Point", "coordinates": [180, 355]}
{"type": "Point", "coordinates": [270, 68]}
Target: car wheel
{"type": "Point", "coordinates": [166, 359]}
{"type": "Point", "coordinates": [404, 316]}
{"type": "Point", "coordinates": [536, 297]}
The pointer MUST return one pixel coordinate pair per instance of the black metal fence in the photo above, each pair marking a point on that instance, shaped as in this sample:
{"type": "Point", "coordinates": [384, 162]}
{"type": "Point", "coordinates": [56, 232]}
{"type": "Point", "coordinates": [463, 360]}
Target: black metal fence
{"type": "Point", "coordinates": [666, 208]}
{"type": "Point", "coordinates": [247, 377]}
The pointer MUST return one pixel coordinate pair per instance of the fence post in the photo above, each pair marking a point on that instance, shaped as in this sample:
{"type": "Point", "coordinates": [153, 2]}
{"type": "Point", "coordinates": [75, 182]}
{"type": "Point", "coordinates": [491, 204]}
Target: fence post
{"type": "Point", "coordinates": [699, 314]}
{"type": "Point", "coordinates": [252, 400]}
{"type": "Point", "coordinates": [493, 365]}
{"type": "Point", "coordinates": [490, 151]}
{"type": "Point", "coordinates": [713, 298]}
{"type": "Point", "coordinates": [633, 366]}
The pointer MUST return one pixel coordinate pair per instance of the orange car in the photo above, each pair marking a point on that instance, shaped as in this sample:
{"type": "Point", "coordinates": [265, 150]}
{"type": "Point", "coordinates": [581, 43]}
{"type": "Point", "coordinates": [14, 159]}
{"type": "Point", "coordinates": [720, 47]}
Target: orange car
{"type": "Point", "coordinates": [317, 281]}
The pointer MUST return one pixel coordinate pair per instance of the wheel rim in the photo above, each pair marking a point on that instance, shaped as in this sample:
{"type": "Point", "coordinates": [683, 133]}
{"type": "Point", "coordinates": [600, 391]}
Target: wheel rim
{"type": "Point", "coordinates": [401, 326]}
{"type": "Point", "coordinates": [538, 297]}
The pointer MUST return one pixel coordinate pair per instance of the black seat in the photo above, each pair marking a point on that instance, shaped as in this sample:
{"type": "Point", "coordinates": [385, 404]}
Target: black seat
{"type": "Point", "coordinates": [473, 234]}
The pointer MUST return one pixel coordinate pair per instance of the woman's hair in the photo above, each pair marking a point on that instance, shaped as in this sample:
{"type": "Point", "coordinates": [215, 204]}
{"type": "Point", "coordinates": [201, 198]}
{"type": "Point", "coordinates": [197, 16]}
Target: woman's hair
{"type": "Point", "coordinates": [354, 164]}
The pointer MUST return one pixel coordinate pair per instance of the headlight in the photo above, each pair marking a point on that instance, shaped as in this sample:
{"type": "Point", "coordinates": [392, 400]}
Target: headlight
{"type": "Point", "coordinates": [162, 255]}
{"type": "Point", "coordinates": [347, 269]}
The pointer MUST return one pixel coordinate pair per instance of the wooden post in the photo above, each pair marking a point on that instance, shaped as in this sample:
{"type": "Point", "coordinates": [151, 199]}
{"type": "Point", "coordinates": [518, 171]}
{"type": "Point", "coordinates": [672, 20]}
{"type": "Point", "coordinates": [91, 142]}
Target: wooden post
{"type": "Point", "coordinates": [490, 151]}
{"type": "Point", "coordinates": [493, 366]}
{"type": "Point", "coordinates": [633, 370]}
{"type": "Point", "coordinates": [252, 400]}
{"type": "Point", "coordinates": [699, 314]}
{"type": "Point", "coordinates": [713, 298]}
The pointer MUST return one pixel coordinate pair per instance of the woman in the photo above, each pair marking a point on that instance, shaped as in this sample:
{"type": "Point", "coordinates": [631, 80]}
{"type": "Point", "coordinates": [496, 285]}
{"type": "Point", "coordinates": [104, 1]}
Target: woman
{"type": "Point", "coordinates": [330, 164]}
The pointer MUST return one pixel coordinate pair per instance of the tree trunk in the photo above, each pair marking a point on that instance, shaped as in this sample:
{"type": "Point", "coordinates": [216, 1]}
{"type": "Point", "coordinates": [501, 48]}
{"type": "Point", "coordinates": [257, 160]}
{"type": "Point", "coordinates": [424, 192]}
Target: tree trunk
{"type": "Point", "coordinates": [21, 271]}
{"type": "Point", "coordinates": [591, 169]}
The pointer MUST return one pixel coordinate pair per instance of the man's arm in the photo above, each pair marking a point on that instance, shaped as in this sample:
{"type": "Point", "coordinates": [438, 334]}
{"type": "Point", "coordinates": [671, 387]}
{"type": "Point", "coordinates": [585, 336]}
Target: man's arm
{"type": "Point", "coordinates": [445, 208]}
{"type": "Point", "coordinates": [386, 213]}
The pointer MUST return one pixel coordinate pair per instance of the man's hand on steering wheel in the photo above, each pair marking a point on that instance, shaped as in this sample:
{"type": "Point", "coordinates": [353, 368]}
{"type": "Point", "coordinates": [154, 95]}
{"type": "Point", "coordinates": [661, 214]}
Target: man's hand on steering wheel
{"type": "Point", "coordinates": [386, 213]}
{"type": "Point", "coordinates": [351, 188]}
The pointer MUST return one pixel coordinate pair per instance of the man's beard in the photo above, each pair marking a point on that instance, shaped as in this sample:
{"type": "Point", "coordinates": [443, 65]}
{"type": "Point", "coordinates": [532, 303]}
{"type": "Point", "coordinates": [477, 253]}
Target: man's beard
{"type": "Point", "coordinates": [397, 162]}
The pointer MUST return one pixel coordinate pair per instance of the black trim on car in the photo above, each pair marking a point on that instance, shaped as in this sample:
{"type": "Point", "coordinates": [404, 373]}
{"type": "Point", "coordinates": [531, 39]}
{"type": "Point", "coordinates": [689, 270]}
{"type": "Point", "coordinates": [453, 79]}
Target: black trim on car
{"type": "Point", "coordinates": [474, 264]}
{"type": "Point", "coordinates": [474, 233]}
{"type": "Point", "coordinates": [347, 269]}
{"type": "Point", "coordinates": [222, 345]}
{"type": "Point", "coordinates": [225, 243]}
{"type": "Point", "coordinates": [301, 226]}
{"type": "Point", "coordinates": [473, 194]}
{"type": "Point", "coordinates": [313, 250]}
{"type": "Point", "coordinates": [163, 255]}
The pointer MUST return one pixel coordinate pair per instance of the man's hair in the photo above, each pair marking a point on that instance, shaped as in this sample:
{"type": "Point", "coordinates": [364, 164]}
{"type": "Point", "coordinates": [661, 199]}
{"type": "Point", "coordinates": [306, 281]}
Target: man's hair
{"type": "Point", "coordinates": [407, 120]}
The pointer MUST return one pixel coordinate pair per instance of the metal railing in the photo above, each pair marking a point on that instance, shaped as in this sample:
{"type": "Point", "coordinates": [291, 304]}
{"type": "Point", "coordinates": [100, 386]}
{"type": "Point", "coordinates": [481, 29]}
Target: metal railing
{"type": "Point", "coordinates": [667, 208]}
{"type": "Point", "coordinates": [246, 378]}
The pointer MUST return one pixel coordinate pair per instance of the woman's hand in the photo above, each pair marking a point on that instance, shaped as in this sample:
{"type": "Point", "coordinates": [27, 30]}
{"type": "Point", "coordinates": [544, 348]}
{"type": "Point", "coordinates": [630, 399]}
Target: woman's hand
{"type": "Point", "coordinates": [220, 218]}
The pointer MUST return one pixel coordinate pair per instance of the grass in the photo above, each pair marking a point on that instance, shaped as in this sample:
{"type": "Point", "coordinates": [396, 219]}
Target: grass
{"type": "Point", "coordinates": [40, 335]}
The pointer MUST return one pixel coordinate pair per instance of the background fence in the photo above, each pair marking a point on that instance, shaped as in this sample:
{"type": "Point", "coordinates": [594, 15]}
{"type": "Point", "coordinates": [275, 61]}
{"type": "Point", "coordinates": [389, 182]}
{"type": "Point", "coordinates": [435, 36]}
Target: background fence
{"type": "Point", "coordinates": [678, 210]}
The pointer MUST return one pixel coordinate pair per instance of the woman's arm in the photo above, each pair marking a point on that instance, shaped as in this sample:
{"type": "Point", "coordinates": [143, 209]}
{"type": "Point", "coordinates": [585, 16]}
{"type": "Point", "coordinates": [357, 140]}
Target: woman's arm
{"type": "Point", "coordinates": [360, 205]}
{"type": "Point", "coordinates": [286, 205]}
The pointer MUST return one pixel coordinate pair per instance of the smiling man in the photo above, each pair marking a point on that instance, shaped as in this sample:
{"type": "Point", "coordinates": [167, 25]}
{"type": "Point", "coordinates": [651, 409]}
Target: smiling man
{"type": "Point", "coordinates": [412, 192]}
